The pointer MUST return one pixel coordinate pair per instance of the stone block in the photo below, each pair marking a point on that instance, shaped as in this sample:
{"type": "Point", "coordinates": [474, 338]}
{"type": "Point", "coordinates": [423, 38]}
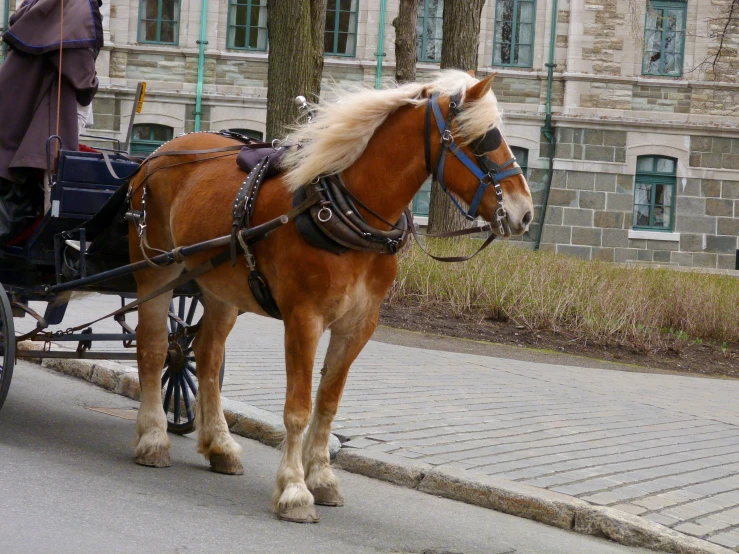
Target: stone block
{"type": "Point", "coordinates": [728, 226]}
{"type": "Point", "coordinates": [554, 215]}
{"type": "Point", "coordinates": [580, 180]}
{"type": "Point", "coordinates": [622, 255]}
{"type": "Point", "coordinates": [559, 179]}
{"type": "Point", "coordinates": [625, 183]}
{"type": "Point", "coordinates": [615, 237]}
{"type": "Point", "coordinates": [689, 187]}
{"type": "Point", "coordinates": [556, 234]}
{"type": "Point", "coordinates": [711, 160]}
{"type": "Point", "coordinates": [705, 260]}
{"type": "Point", "coordinates": [645, 255]}
{"type": "Point", "coordinates": [662, 245]}
{"type": "Point", "coordinates": [586, 236]}
{"type": "Point", "coordinates": [594, 200]}
{"type": "Point", "coordinates": [620, 155]}
{"type": "Point", "coordinates": [730, 161]}
{"type": "Point", "coordinates": [620, 202]}
{"type": "Point", "coordinates": [691, 243]}
{"type": "Point", "coordinates": [710, 188]}
{"type": "Point", "coordinates": [721, 145]}
{"type": "Point", "coordinates": [604, 254]}
{"type": "Point", "coordinates": [577, 151]}
{"type": "Point", "coordinates": [695, 160]}
{"type": "Point", "coordinates": [727, 261]}
{"type": "Point", "coordinates": [720, 243]}
{"type": "Point", "coordinates": [578, 216]}
{"type": "Point", "coordinates": [583, 252]}
{"type": "Point", "coordinates": [690, 205]}
{"type": "Point", "coordinates": [605, 182]}
{"type": "Point", "coordinates": [599, 153]}
{"type": "Point", "coordinates": [563, 197]}
{"type": "Point", "coordinates": [614, 138]}
{"type": "Point", "coordinates": [730, 189]}
{"type": "Point", "coordinates": [577, 136]}
{"type": "Point", "coordinates": [641, 244]}
{"type": "Point", "coordinates": [610, 220]}
{"type": "Point", "coordinates": [563, 150]}
{"type": "Point", "coordinates": [681, 258]}
{"type": "Point", "coordinates": [695, 224]}
{"type": "Point", "coordinates": [662, 256]}
{"type": "Point", "coordinates": [592, 136]}
{"type": "Point", "coordinates": [719, 207]}
{"type": "Point", "coordinates": [564, 134]}
{"type": "Point", "coordinates": [700, 144]}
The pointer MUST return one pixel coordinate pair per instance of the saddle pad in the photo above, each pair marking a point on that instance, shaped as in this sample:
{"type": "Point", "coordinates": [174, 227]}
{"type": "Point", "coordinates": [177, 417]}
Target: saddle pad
{"type": "Point", "coordinates": [250, 157]}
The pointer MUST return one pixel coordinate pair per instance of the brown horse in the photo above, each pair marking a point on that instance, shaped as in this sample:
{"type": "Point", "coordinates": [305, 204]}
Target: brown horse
{"type": "Point", "coordinates": [375, 139]}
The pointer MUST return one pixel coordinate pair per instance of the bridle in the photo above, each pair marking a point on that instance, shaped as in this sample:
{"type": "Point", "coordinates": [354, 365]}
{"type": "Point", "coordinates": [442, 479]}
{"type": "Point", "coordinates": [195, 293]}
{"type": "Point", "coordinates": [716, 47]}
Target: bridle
{"type": "Point", "coordinates": [492, 174]}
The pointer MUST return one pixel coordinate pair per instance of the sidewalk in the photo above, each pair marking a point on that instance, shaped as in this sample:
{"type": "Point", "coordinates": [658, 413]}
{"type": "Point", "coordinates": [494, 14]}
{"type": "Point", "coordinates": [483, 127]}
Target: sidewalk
{"type": "Point", "coordinates": [662, 447]}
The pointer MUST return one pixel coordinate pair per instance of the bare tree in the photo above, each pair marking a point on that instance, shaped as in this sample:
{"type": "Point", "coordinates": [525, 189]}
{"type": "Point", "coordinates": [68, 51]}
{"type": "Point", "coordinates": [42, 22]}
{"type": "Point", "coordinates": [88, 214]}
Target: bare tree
{"type": "Point", "coordinates": [460, 42]}
{"type": "Point", "coordinates": [295, 30]}
{"type": "Point", "coordinates": [406, 36]}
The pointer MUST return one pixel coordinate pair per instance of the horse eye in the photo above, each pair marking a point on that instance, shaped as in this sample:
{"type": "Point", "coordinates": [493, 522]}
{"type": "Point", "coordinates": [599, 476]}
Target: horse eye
{"type": "Point", "coordinates": [488, 142]}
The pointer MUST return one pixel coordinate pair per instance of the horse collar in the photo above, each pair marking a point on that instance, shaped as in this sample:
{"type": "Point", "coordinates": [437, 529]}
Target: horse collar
{"type": "Point", "coordinates": [492, 174]}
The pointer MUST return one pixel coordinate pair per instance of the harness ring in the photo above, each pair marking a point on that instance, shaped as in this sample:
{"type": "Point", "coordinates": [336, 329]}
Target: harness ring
{"type": "Point", "coordinates": [322, 219]}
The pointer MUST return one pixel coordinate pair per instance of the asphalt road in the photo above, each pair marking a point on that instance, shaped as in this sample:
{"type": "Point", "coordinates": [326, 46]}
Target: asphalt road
{"type": "Point", "coordinates": [68, 484]}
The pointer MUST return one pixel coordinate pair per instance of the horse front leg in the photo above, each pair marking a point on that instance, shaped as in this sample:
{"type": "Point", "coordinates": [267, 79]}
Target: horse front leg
{"type": "Point", "coordinates": [292, 500]}
{"type": "Point", "coordinates": [214, 439]}
{"type": "Point", "coordinates": [347, 340]}
{"type": "Point", "coordinates": [152, 443]}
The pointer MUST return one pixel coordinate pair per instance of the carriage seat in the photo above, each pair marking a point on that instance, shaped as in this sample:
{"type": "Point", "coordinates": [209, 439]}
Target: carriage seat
{"type": "Point", "coordinates": [249, 156]}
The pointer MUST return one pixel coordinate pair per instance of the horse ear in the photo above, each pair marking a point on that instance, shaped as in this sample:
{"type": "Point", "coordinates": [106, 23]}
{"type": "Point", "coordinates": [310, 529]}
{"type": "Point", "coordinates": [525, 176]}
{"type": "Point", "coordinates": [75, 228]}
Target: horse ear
{"type": "Point", "coordinates": [480, 89]}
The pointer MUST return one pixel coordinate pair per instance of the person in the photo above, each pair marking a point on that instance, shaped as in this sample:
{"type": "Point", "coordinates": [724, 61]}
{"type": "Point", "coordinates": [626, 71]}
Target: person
{"type": "Point", "coordinates": [40, 48]}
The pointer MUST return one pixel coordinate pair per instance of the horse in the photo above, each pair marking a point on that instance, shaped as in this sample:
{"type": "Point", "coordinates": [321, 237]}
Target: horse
{"type": "Point", "coordinates": [380, 142]}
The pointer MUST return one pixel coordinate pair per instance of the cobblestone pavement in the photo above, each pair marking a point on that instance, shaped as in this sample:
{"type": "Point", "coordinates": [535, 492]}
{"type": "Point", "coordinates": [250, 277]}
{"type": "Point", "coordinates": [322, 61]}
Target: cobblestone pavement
{"type": "Point", "coordinates": [663, 447]}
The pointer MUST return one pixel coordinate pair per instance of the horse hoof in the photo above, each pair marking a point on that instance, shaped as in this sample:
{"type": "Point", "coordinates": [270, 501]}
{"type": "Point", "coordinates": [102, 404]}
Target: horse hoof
{"type": "Point", "coordinates": [154, 459]}
{"type": "Point", "coordinates": [222, 463]}
{"type": "Point", "coordinates": [327, 496]}
{"type": "Point", "coordinates": [300, 514]}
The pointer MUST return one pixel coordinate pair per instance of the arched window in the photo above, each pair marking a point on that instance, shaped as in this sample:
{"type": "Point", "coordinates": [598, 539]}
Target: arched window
{"type": "Point", "coordinates": [247, 24]}
{"type": "Point", "coordinates": [513, 44]}
{"type": "Point", "coordinates": [428, 28]}
{"type": "Point", "coordinates": [148, 137]}
{"type": "Point", "coordinates": [654, 193]}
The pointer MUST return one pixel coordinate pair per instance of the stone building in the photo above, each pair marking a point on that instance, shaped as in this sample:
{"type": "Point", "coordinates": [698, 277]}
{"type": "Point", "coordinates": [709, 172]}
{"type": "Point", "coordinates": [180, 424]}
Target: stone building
{"type": "Point", "coordinates": [646, 155]}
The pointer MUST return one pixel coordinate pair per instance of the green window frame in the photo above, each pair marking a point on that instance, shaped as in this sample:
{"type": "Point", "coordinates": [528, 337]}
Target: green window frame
{"type": "Point", "coordinates": [513, 42]}
{"type": "Point", "coordinates": [422, 199]}
{"type": "Point", "coordinates": [522, 157]}
{"type": "Point", "coordinates": [159, 22]}
{"type": "Point", "coordinates": [655, 185]}
{"type": "Point", "coordinates": [429, 30]}
{"type": "Point", "coordinates": [148, 137]}
{"type": "Point", "coordinates": [247, 25]}
{"type": "Point", "coordinates": [664, 38]}
{"type": "Point", "coordinates": [340, 36]}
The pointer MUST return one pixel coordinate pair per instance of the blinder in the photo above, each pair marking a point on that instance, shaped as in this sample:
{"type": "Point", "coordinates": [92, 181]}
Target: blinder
{"type": "Point", "coordinates": [492, 174]}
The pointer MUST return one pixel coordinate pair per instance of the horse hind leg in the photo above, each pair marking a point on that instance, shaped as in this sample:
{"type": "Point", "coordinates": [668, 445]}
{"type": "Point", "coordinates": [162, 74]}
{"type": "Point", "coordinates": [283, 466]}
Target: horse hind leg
{"type": "Point", "coordinates": [292, 501]}
{"type": "Point", "coordinates": [347, 341]}
{"type": "Point", "coordinates": [214, 440]}
{"type": "Point", "coordinates": [152, 442]}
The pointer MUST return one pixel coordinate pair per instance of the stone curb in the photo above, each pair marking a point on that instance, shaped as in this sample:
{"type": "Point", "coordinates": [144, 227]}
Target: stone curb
{"type": "Point", "coordinates": [451, 482]}
{"type": "Point", "coordinates": [525, 501]}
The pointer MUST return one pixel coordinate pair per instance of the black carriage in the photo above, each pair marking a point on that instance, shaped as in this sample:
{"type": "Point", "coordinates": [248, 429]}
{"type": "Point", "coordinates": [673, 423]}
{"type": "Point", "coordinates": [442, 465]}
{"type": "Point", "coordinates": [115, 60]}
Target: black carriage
{"type": "Point", "coordinates": [80, 244]}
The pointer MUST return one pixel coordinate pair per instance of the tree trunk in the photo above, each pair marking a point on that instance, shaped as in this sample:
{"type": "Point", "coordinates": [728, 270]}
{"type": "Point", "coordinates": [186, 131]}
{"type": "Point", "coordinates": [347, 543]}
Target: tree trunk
{"type": "Point", "coordinates": [461, 39]}
{"type": "Point", "coordinates": [295, 29]}
{"type": "Point", "coordinates": [405, 41]}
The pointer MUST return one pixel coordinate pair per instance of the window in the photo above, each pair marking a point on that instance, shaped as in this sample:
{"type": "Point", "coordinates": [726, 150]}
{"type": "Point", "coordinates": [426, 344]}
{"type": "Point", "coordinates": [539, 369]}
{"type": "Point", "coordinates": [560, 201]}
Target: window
{"type": "Point", "coordinates": [664, 38]}
{"type": "Point", "coordinates": [422, 199]}
{"type": "Point", "coordinates": [522, 157]}
{"type": "Point", "coordinates": [654, 193]}
{"type": "Point", "coordinates": [514, 32]}
{"type": "Point", "coordinates": [147, 138]}
{"type": "Point", "coordinates": [428, 28]}
{"type": "Point", "coordinates": [340, 38]}
{"type": "Point", "coordinates": [247, 24]}
{"type": "Point", "coordinates": [159, 21]}
{"type": "Point", "coordinates": [257, 135]}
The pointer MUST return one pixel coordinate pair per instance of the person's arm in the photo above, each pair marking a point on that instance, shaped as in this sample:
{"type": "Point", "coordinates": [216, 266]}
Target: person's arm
{"type": "Point", "coordinates": [78, 68]}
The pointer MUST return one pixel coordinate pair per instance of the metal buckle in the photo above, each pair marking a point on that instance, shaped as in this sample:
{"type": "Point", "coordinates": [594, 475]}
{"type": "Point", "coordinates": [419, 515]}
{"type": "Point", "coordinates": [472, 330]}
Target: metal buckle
{"type": "Point", "coordinates": [447, 138]}
{"type": "Point", "coordinates": [325, 218]}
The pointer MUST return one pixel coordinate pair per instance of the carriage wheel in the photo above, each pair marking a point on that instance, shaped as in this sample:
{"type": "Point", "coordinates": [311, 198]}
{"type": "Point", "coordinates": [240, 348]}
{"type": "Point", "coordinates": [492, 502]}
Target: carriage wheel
{"type": "Point", "coordinates": [7, 345]}
{"type": "Point", "coordinates": [179, 379]}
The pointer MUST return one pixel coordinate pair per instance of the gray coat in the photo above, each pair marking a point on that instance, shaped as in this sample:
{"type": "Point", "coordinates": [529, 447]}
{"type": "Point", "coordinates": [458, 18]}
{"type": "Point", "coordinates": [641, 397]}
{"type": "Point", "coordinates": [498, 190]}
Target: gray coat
{"type": "Point", "coordinates": [29, 80]}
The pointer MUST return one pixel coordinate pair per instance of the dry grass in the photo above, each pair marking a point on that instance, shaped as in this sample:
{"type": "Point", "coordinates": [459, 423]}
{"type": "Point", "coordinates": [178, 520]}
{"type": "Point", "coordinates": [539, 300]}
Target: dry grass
{"type": "Point", "coordinates": [603, 303]}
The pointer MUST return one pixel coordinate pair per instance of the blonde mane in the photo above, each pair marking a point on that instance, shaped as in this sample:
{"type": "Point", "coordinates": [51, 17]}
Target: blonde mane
{"type": "Point", "coordinates": [342, 127]}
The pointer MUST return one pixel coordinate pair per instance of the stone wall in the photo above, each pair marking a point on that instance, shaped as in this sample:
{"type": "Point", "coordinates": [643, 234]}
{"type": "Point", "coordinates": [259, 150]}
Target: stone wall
{"type": "Point", "coordinates": [588, 144]}
{"type": "Point", "coordinates": [714, 152]}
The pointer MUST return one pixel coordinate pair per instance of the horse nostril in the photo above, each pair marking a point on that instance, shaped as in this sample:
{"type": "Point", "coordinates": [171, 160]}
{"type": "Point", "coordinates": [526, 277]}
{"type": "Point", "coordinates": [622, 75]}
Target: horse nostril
{"type": "Point", "coordinates": [528, 216]}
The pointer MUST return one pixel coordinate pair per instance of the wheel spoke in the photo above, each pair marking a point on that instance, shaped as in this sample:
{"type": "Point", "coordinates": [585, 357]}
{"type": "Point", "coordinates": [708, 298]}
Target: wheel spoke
{"type": "Point", "coordinates": [168, 395]}
{"type": "Point", "coordinates": [182, 306]}
{"type": "Point", "coordinates": [191, 311]}
{"type": "Point", "coordinates": [186, 397]}
{"type": "Point", "coordinates": [165, 378]}
{"type": "Point", "coordinates": [191, 368]}
{"type": "Point", "coordinates": [190, 383]}
{"type": "Point", "coordinates": [177, 390]}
